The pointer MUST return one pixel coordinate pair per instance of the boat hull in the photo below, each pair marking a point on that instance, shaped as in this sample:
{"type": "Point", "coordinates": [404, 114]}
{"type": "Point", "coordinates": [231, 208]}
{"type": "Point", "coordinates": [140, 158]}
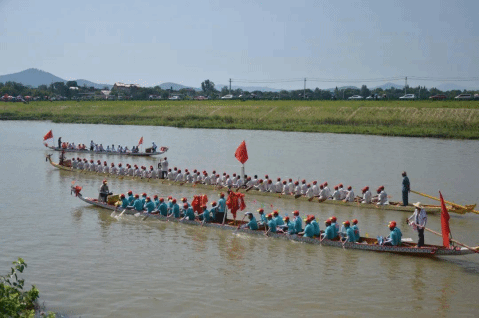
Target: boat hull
{"type": "Point", "coordinates": [109, 153]}
{"type": "Point", "coordinates": [366, 245]}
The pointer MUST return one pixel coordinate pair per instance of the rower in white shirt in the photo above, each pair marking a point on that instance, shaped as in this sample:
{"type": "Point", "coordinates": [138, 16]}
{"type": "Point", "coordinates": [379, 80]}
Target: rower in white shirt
{"type": "Point", "coordinates": [342, 192]}
{"type": "Point", "coordinates": [261, 185]}
{"type": "Point", "coordinates": [315, 189]}
{"type": "Point", "coordinates": [121, 170]}
{"type": "Point", "coordinates": [278, 187]}
{"type": "Point", "coordinates": [113, 169]}
{"type": "Point", "coordinates": [291, 186]}
{"type": "Point", "coordinates": [349, 195]}
{"type": "Point", "coordinates": [92, 165]}
{"type": "Point", "coordinates": [367, 196]}
{"type": "Point", "coordinates": [105, 167]}
{"type": "Point", "coordinates": [336, 193]}
{"type": "Point", "coordinates": [285, 188]}
{"type": "Point", "coordinates": [304, 187]}
{"type": "Point", "coordinates": [297, 189]}
{"type": "Point", "coordinates": [309, 192]}
{"type": "Point", "coordinates": [382, 196]}
{"type": "Point", "coordinates": [322, 193]}
{"type": "Point", "coordinates": [86, 165]}
{"type": "Point", "coordinates": [327, 189]}
{"type": "Point", "coordinates": [113, 148]}
{"type": "Point", "coordinates": [179, 176]}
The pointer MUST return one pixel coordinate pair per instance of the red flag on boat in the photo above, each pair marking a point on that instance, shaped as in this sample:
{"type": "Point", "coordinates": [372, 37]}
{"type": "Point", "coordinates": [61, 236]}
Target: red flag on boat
{"type": "Point", "coordinates": [241, 154]}
{"type": "Point", "coordinates": [141, 141]}
{"type": "Point", "coordinates": [48, 135]}
{"type": "Point", "coordinates": [446, 232]}
{"type": "Point", "coordinates": [235, 202]}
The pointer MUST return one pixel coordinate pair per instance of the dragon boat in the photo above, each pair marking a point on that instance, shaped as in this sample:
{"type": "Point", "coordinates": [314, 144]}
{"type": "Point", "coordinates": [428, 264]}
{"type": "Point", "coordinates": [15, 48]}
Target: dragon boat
{"type": "Point", "coordinates": [149, 152]}
{"type": "Point", "coordinates": [390, 207]}
{"type": "Point", "coordinates": [365, 244]}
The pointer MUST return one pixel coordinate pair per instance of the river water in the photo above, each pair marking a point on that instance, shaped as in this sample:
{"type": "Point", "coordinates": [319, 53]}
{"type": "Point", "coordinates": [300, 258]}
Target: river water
{"type": "Point", "coordinates": [88, 264]}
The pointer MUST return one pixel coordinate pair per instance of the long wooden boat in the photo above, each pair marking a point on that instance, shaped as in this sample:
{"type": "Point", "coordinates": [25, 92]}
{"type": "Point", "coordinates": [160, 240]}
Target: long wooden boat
{"type": "Point", "coordinates": [367, 244]}
{"type": "Point", "coordinates": [111, 153]}
{"type": "Point", "coordinates": [409, 209]}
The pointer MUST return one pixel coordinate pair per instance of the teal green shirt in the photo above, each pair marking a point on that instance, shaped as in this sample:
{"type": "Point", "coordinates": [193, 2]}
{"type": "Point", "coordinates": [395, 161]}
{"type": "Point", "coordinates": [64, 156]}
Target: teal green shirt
{"type": "Point", "coordinates": [163, 209]}
{"type": "Point", "coordinates": [131, 199]}
{"type": "Point", "coordinates": [279, 220]}
{"type": "Point", "coordinates": [272, 226]}
{"type": "Point", "coordinates": [350, 234]}
{"type": "Point", "coordinates": [138, 205]}
{"type": "Point", "coordinates": [222, 205]}
{"type": "Point", "coordinates": [176, 210]}
{"type": "Point", "coordinates": [298, 224]}
{"type": "Point", "coordinates": [124, 203]}
{"type": "Point", "coordinates": [330, 232]}
{"type": "Point", "coordinates": [308, 230]}
{"type": "Point", "coordinates": [291, 228]}
{"type": "Point", "coordinates": [252, 224]}
{"type": "Point", "coordinates": [335, 229]}
{"type": "Point", "coordinates": [315, 225]}
{"type": "Point", "coordinates": [356, 233]}
{"type": "Point", "coordinates": [190, 214]}
{"type": "Point", "coordinates": [206, 216]}
{"type": "Point", "coordinates": [263, 219]}
{"type": "Point", "coordinates": [150, 206]}
{"type": "Point", "coordinates": [213, 212]}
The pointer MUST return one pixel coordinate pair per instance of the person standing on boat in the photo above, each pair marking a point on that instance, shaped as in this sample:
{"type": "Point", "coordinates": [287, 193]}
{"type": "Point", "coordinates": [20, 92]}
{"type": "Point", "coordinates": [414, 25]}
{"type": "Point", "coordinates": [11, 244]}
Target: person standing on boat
{"type": "Point", "coordinates": [59, 142]}
{"type": "Point", "coordinates": [221, 214]}
{"type": "Point", "coordinates": [154, 146]}
{"type": "Point", "coordinates": [406, 188]}
{"type": "Point", "coordinates": [418, 221]}
{"type": "Point", "coordinates": [290, 186]}
{"type": "Point", "coordinates": [164, 168]}
{"type": "Point", "coordinates": [104, 192]}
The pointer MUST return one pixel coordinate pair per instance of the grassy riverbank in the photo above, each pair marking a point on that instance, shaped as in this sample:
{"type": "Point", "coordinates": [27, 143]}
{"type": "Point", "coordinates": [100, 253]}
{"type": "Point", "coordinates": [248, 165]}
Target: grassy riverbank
{"type": "Point", "coordinates": [442, 119]}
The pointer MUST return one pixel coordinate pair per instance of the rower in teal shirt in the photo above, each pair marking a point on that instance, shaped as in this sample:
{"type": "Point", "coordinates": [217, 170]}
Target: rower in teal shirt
{"type": "Point", "coordinates": [163, 208]}
{"type": "Point", "coordinates": [175, 208]}
{"type": "Point", "coordinates": [143, 198]}
{"type": "Point", "coordinates": [149, 205]}
{"type": "Point", "coordinates": [308, 229]}
{"type": "Point", "coordinates": [131, 198]}
{"type": "Point", "coordinates": [213, 210]}
{"type": "Point", "coordinates": [252, 224]}
{"type": "Point", "coordinates": [137, 204]}
{"type": "Point", "coordinates": [264, 221]}
{"type": "Point", "coordinates": [271, 224]}
{"type": "Point", "coordinates": [349, 232]}
{"type": "Point", "coordinates": [290, 225]}
{"type": "Point", "coordinates": [329, 231]}
{"type": "Point", "coordinates": [277, 218]}
{"type": "Point", "coordinates": [335, 226]}
{"type": "Point", "coordinates": [124, 201]}
{"type": "Point", "coordinates": [355, 228]}
{"type": "Point", "coordinates": [156, 201]}
{"type": "Point", "coordinates": [298, 224]}
{"type": "Point", "coordinates": [189, 213]}
{"type": "Point", "coordinates": [393, 239]}
{"type": "Point", "coordinates": [205, 216]}
{"type": "Point", "coordinates": [315, 225]}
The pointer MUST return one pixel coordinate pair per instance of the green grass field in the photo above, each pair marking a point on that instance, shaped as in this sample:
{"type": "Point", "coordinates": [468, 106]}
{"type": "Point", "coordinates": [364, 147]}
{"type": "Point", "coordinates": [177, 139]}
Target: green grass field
{"type": "Point", "coordinates": [441, 119]}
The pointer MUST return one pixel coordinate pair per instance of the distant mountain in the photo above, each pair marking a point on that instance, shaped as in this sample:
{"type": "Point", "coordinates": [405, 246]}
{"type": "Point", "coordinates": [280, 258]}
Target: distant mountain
{"type": "Point", "coordinates": [249, 88]}
{"type": "Point", "coordinates": [450, 87]}
{"type": "Point", "coordinates": [389, 86]}
{"type": "Point", "coordinates": [176, 87]}
{"type": "Point", "coordinates": [340, 88]}
{"type": "Point", "coordinates": [35, 77]}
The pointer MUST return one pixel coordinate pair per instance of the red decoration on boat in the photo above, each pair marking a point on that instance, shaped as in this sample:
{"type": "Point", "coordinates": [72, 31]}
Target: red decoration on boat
{"type": "Point", "coordinates": [241, 153]}
{"type": "Point", "coordinates": [446, 232]}
{"type": "Point", "coordinates": [48, 135]}
{"type": "Point", "coordinates": [235, 202]}
{"type": "Point", "coordinates": [141, 141]}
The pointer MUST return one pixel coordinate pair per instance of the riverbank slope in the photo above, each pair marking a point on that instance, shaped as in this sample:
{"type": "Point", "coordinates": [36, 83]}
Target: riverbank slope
{"type": "Point", "coordinates": [440, 119]}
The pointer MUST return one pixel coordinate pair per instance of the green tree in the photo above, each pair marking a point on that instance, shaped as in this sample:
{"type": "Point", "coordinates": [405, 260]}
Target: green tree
{"type": "Point", "coordinates": [364, 92]}
{"type": "Point", "coordinates": [224, 91]}
{"type": "Point", "coordinates": [208, 87]}
{"type": "Point", "coordinates": [72, 84]}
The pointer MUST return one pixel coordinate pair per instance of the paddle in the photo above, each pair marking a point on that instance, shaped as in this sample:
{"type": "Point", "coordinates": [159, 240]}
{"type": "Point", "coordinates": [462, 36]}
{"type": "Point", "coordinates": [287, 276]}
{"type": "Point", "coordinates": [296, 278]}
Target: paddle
{"type": "Point", "coordinates": [249, 188]}
{"type": "Point", "coordinates": [475, 250]}
{"type": "Point", "coordinates": [239, 224]}
{"type": "Point", "coordinates": [121, 213]}
{"type": "Point", "coordinates": [224, 217]}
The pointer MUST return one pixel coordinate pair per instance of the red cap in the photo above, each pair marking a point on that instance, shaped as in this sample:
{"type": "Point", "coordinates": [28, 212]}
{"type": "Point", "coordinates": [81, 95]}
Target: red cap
{"type": "Point", "coordinates": [340, 185]}
{"type": "Point", "coordinates": [284, 181]}
{"type": "Point", "coordinates": [275, 212]}
{"type": "Point", "coordinates": [222, 195]}
{"type": "Point", "coordinates": [326, 183]}
{"type": "Point", "coordinates": [260, 211]}
{"type": "Point", "coordinates": [155, 196]}
{"type": "Point", "coordinates": [143, 194]}
{"type": "Point", "coordinates": [364, 189]}
{"type": "Point", "coordinates": [170, 197]}
{"type": "Point", "coordinates": [183, 199]}
{"type": "Point", "coordinates": [328, 222]}
{"type": "Point", "coordinates": [266, 176]}
{"type": "Point", "coordinates": [314, 182]}
{"type": "Point", "coordinates": [174, 201]}
{"type": "Point", "coordinates": [137, 195]}
{"type": "Point", "coordinates": [279, 179]}
{"type": "Point", "coordinates": [260, 180]}
{"type": "Point", "coordinates": [162, 200]}
{"type": "Point", "coordinates": [295, 212]}
{"type": "Point", "coordinates": [122, 195]}
{"type": "Point", "coordinates": [333, 219]}
{"type": "Point", "coordinates": [349, 188]}
{"type": "Point", "coordinates": [195, 170]}
{"type": "Point", "coordinates": [204, 207]}
{"type": "Point", "coordinates": [346, 223]}
{"type": "Point", "coordinates": [286, 218]}
{"type": "Point", "coordinates": [130, 192]}
{"type": "Point", "coordinates": [355, 221]}
{"type": "Point", "coordinates": [104, 181]}
{"type": "Point", "coordinates": [213, 203]}
{"type": "Point", "coordinates": [336, 188]}
{"type": "Point", "coordinates": [321, 186]}
{"type": "Point", "coordinates": [269, 216]}
{"type": "Point", "coordinates": [303, 181]}
{"type": "Point", "coordinates": [91, 160]}
{"type": "Point", "coordinates": [296, 182]}
{"type": "Point", "coordinates": [185, 205]}
{"type": "Point", "coordinates": [119, 165]}
{"type": "Point", "coordinates": [148, 199]}
{"type": "Point", "coordinates": [290, 180]}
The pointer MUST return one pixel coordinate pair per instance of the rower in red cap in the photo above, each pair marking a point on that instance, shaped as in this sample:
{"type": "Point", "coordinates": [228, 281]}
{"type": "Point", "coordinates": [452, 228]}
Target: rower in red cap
{"type": "Point", "coordinates": [349, 195]}
{"type": "Point", "coordinates": [367, 196]}
{"type": "Point", "coordinates": [336, 193]}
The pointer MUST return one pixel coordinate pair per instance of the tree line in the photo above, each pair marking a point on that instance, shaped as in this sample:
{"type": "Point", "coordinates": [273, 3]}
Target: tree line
{"type": "Point", "coordinates": [71, 90]}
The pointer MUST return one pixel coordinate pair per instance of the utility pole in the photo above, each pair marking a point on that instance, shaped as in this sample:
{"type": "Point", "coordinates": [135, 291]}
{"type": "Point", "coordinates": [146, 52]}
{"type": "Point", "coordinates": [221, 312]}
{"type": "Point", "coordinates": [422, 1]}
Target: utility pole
{"type": "Point", "coordinates": [405, 89]}
{"type": "Point", "coordinates": [230, 86]}
{"type": "Point", "coordinates": [304, 92]}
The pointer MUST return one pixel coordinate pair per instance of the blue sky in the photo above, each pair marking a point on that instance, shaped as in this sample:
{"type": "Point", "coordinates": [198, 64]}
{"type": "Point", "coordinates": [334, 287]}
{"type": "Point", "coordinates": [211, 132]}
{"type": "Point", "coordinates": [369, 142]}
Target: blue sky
{"type": "Point", "coordinates": [183, 41]}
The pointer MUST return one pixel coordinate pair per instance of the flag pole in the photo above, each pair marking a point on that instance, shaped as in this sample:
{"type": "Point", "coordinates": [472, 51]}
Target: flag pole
{"type": "Point", "coordinates": [452, 240]}
{"type": "Point", "coordinates": [242, 172]}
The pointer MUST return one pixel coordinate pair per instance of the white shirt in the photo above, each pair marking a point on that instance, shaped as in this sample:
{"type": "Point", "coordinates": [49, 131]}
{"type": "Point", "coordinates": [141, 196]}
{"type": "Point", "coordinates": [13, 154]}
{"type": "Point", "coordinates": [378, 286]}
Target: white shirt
{"type": "Point", "coordinates": [350, 196]}
{"type": "Point", "coordinates": [106, 169]}
{"type": "Point", "coordinates": [261, 187]}
{"type": "Point", "coordinates": [131, 172]}
{"type": "Point", "coordinates": [336, 195]}
{"type": "Point", "coordinates": [92, 167]}
{"type": "Point", "coordinates": [315, 190]}
{"type": "Point", "coordinates": [304, 188]}
{"type": "Point", "coordinates": [278, 187]}
{"type": "Point", "coordinates": [323, 194]}
{"type": "Point", "coordinates": [367, 197]}
{"type": "Point", "coordinates": [383, 198]}
{"type": "Point", "coordinates": [170, 176]}
{"type": "Point", "coordinates": [207, 180]}
{"type": "Point", "coordinates": [419, 220]}
{"type": "Point", "coordinates": [114, 170]}
{"type": "Point", "coordinates": [309, 192]}
{"type": "Point", "coordinates": [290, 187]}
{"type": "Point", "coordinates": [164, 165]}
{"type": "Point", "coordinates": [121, 171]}
{"type": "Point", "coordinates": [238, 183]}
{"type": "Point", "coordinates": [342, 193]}
{"type": "Point", "coordinates": [179, 177]}
{"type": "Point", "coordinates": [328, 191]}
{"type": "Point", "coordinates": [298, 190]}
